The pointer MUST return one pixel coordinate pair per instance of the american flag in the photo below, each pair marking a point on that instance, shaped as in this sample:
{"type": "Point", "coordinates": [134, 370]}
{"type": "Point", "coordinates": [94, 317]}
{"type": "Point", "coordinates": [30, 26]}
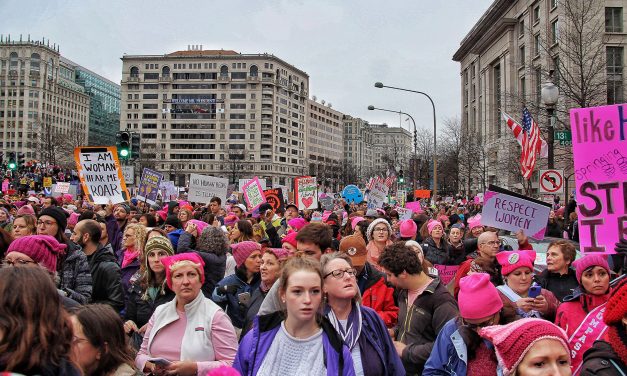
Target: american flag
{"type": "Point", "coordinates": [390, 180]}
{"type": "Point", "coordinates": [528, 135]}
{"type": "Point", "coordinates": [518, 133]}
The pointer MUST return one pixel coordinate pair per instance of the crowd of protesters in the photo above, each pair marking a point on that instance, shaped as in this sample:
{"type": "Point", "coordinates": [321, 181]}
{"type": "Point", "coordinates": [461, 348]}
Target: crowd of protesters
{"type": "Point", "coordinates": [184, 288]}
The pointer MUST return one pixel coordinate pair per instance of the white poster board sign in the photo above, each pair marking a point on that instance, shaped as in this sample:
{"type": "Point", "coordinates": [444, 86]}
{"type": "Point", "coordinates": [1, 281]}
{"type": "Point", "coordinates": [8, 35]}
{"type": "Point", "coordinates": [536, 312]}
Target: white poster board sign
{"type": "Point", "coordinates": [202, 188]}
{"type": "Point", "coordinates": [378, 195]}
{"type": "Point", "coordinates": [242, 183]}
{"type": "Point", "coordinates": [100, 174]}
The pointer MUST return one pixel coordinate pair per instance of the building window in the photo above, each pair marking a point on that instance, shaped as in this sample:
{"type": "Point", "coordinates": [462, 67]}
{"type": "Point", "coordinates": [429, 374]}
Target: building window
{"type": "Point", "coordinates": [134, 72]}
{"type": "Point", "coordinates": [521, 28]}
{"type": "Point", "coordinates": [554, 32]}
{"type": "Point", "coordinates": [538, 74]}
{"type": "Point", "coordinates": [254, 71]}
{"type": "Point", "coordinates": [553, 4]}
{"type": "Point", "coordinates": [523, 88]}
{"type": "Point", "coordinates": [536, 14]}
{"type": "Point", "coordinates": [613, 20]}
{"type": "Point", "coordinates": [497, 99]}
{"type": "Point", "coordinates": [615, 87]}
{"type": "Point", "coordinates": [521, 56]}
{"type": "Point", "coordinates": [536, 45]}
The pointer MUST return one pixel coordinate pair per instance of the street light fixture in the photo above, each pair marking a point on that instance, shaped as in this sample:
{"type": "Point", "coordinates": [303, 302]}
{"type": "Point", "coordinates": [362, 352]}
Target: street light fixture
{"type": "Point", "coordinates": [550, 95]}
{"type": "Point", "coordinates": [372, 108]}
{"type": "Point", "coordinates": [435, 158]}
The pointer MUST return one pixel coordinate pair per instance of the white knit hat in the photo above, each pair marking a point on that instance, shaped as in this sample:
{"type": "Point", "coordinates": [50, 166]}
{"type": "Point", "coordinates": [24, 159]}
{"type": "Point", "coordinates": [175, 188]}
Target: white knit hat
{"type": "Point", "coordinates": [373, 224]}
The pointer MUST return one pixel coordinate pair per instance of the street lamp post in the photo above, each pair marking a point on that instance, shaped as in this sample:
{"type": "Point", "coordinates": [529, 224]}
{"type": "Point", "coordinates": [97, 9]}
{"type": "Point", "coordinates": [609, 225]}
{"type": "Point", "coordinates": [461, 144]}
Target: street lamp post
{"type": "Point", "coordinates": [550, 95]}
{"type": "Point", "coordinates": [435, 158]}
{"type": "Point", "coordinates": [372, 108]}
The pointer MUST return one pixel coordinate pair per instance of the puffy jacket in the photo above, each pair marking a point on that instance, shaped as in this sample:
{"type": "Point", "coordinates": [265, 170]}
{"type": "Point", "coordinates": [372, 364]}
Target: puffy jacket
{"type": "Point", "coordinates": [433, 253]}
{"type": "Point", "coordinates": [376, 294]}
{"type": "Point", "coordinates": [230, 301]}
{"type": "Point", "coordinates": [140, 311]}
{"type": "Point", "coordinates": [256, 343]}
{"type": "Point", "coordinates": [449, 354]}
{"type": "Point", "coordinates": [420, 323]}
{"type": "Point", "coordinates": [75, 275]}
{"type": "Point", "coordinates": [602, 360]}
{"type": "Point", "coordinates": [575, 308]}
{"type": "Point", "coordinates": [214, 265]}
{"type": "Point", "coordinates": [560, 285]}
{"type": "Point", "coordinates": [174, 237]}
{"type": "Point", "coordinates": [106, 277]}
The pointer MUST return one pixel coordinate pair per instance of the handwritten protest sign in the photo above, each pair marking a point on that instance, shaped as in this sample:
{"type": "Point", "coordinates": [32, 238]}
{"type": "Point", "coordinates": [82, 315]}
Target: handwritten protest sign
{"type": "Point", "coordinates": [253, 193]}
{"type": "Point", "coordinates": [243, 182]}
{"type": "Point", "coordinates": [202, 188]}
{"type": "Point", "coordinates": [100, 174]}
{"type": "Point", "coordinates": [446, 272]}
{"type": "Point", "coordinates": [47, 182]}
{"type": "Point", "coordinates": [414, 206]}
{"type": "Point", "coordinates": [149, 186]}
{"type": "Point", "coordinates": [5, 186]}
{"type": "Point", "coordinates": [378, 195]}
{"type": "Point", "coordinates": [306, 192]}
{"type": "Point", "coordinates": [600, 156]}
{"type": "Point", "coordinates": [274, 196]}
{"type": "Point", "coordinates": [61, 187]}
{"type": "Point", "coordinates": [510, 211]}
{"type": "Point", "coordinates": [404, 213]}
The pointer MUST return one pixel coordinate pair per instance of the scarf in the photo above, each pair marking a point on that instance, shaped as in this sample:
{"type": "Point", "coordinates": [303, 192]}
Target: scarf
{"type": "Point", "coordinates": [129, 256]}
{"type": "Point", "coordinates": [351, 333]}
{"type": "Point", "coordinates": [616, 336]}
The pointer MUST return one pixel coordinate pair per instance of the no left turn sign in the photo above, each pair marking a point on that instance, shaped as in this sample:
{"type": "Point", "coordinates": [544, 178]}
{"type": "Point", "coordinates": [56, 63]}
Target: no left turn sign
{"type": "Point", "coordinates": [551, 181]}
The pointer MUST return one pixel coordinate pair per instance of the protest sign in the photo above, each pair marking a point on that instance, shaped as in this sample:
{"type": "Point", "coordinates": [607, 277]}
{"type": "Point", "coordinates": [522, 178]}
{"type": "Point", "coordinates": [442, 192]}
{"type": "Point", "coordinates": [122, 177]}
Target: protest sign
{"type": "Point", "coordinates": [599, 137]}
{"type": "Point", "coordinates": [306, 192]}
{"type": "Point", "coordinates": [422, 193]}
{"type": "Point", "coordinates": [401, 197]}
{"type": "Point", "coordinates": [5, 186]}
{"type": "Point", "coordinates": [414, 206]}
{"type": "Point", "coordinates": [149, 186]}
{"type": "Point", "coordinates": [47, 182]}
{"type": "Point", "coordinates": [326, 202]}
{"type": "Point", "coordinates": [100, 174]}
{"type": "Point", "coordinates": [253, 193]}
{"type": "Point", "coordinates": [243, 182]}
{"type": "Point", "coordinates": [274, 196]}
{"type": "Point", "coordinates": [283, 189]}
{"type": "Point", "coordinates": [510, 211]}
{"type": "Point", "coordinates": [202, 188]}
{"type": "Point", "coordinates": [129, 174]}
{"type": "Point", "coordinates": [352, 194]}
{"type": "Point", "coordinates": [478, 198]}
{"type": "Point", "coordinates": [446, 273]}
{"type": "Point", "coordinates": [403, 213]}
{"type": "Point", "coordinates": [378, 195]}
{"type": "Point", "coordinates": [61, 187]}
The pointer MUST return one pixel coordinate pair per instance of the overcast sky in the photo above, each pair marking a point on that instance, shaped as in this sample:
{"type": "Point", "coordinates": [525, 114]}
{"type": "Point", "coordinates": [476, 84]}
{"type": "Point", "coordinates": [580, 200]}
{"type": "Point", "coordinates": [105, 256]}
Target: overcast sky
{"type": "Point", "coordinates": [344, 46]}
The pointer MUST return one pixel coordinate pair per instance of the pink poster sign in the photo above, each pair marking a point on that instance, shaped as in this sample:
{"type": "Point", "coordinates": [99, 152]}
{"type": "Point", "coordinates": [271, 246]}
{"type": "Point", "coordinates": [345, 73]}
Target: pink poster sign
{"type": "Point", "coordinates": [414, 206]}
{"type": "Point", "coordinates": [253, 194]}
{"type": "Point", "coordinates": [446, 272]}
{"type": "Point", "coordinates": [5, 186]}
{"type": "Point", "coordinates": [600, 153]}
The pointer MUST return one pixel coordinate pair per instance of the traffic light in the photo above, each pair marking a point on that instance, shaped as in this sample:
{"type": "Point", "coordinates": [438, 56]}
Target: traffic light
{"type": "Point", "coordinates": [12, 165]}
{"type": "Point", "coordinates": [21, 159]}
{"type": "Point", "coordinates": [401, 178]}
{"type": "Point", "coordinates": [135, 145]}
{"type": "Point", "coordinates": [123, 143]}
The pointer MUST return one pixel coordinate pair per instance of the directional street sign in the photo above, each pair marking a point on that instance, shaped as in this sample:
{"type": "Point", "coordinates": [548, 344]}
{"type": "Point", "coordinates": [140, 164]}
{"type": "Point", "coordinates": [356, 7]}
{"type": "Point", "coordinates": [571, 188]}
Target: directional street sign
{"type": "Point", "coordinates": [551, 181]}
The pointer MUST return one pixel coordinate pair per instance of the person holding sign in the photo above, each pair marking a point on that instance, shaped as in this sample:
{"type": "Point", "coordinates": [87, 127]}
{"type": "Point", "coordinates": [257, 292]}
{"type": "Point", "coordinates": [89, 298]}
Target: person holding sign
{"type": "Point", "coordinates": [520, 298]}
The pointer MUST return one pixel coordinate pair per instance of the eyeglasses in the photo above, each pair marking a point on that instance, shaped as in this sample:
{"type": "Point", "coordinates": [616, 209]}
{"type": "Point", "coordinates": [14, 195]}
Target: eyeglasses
{"type": "Point", "coordinates": [46, 223]}
{"type": "Point", "coordinates": [382, 229]}
{"type": "Point", "coordinates": [492, 243]}
{"type": "Point", "coordinates": [18, 262]}
{"type": "Point", "coordinates": [490, 322]}
{"type": "Point", "coordinates": [339, 273]}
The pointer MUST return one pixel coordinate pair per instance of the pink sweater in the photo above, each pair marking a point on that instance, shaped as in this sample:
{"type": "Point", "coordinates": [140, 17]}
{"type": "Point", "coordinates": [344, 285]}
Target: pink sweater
{"type": "Point", "coordinates": [167, 342]}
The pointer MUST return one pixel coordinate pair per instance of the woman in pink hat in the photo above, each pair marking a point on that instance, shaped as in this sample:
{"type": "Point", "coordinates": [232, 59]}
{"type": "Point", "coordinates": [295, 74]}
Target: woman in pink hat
{"type": "Point", "coordinates": [520, 300]}
{"type": "Point", "coordinates": [458, 349]}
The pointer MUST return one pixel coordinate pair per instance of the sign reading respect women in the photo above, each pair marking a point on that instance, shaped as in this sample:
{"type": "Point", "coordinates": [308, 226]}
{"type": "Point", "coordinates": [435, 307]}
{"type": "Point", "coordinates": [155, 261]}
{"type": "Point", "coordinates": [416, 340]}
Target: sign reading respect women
{"type": "Point", "coordinates": [600, 155]}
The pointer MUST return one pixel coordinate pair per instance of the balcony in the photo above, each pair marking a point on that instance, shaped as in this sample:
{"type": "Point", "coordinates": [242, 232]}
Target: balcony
{"type": "Point", "coordinates": [165, 78]}
{"type": "Point", "coordinates": [267, 91]}
{"type": "Point", "coordinates": [267, 101]}
{"type": "Point", "coordinates": [224, 79]}
{"type": "Point", "coordinates": [304, 93]}
{"type": "Point", "coordinates": [133, 79]}
{"type": "Point", "coordinates": [34, 74]}
{"type": "Point", "coordinates": [267, 79]}
{"type": "Point", "coordinates": [266, 121]}
{"type": "Point", "coordinates": [266, 111]}
{"type": "Point", "coordinates": [252, 78]}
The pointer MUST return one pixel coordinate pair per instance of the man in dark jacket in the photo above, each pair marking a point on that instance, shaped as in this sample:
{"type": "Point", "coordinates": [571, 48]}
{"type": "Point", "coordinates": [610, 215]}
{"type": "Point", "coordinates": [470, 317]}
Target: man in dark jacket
{"type": "Point", "coordinates": [425, 305]}
{"type": "Point", "coordinates": [105, 271]}
{"type": "Point", "coordinates": [117, 218]}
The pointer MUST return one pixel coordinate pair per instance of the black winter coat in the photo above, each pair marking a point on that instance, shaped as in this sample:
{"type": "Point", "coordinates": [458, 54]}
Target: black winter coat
{"type": "Point", "coordinates": [436, 255]}
{"type": "Point", "coordinates": [106, 277]}
{"type": "Point", "coordinates": [214, 265]}
{"type": "Point", "coordinates": [140, 311]}
{"type": "Point", "coordinates": [601, 360]}
{"type": "Point", "coordinates": [560, 285]}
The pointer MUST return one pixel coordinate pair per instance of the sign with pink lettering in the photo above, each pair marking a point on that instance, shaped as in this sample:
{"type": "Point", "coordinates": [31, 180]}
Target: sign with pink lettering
{"type": "Point", "coordinates": [253, 193]}
{"type": "Point", "coordinates": [511, 211]}
{"type": "Point", "coordinates": [600, 155]}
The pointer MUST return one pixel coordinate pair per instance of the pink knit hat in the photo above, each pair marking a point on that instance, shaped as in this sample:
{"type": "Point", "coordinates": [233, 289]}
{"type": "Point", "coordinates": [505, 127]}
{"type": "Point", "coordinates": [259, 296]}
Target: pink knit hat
{"type": "Point", "coordinates": [200, 225]}
{"type": "Point", "coordinates": [73, 220]}
{"type": "Point", "coordinates": [589, 261]}
{"type": "Point", "coordinates": [170, 261]}
{"type": "Point", "coordinates": [408, 228]}
{"type": "Point", "coordinates": [432, 224]}
{"type": "Point", "coordinates": [474, 222]}
{"type": "Point", "coordinates": [355, 221]}
{"type": "Point", "coordinates": [280, 253]}
{"type": "Point", "coordinates": [513, 260]}
{"type": "Point", "coordinates": [478, 298]}
{"type": "Point", "coordinates": [513, 341]}
{"type": "Point", "coordinates": [290, 239]}
{"type": "Point", "coordinates": [26, 209]}
{"type": "Point", "coordinates": [242, 250]}
{"type": "Point", "coordinates": [43, 249]}
{"type": "Point", "coordinates": [297, 223]}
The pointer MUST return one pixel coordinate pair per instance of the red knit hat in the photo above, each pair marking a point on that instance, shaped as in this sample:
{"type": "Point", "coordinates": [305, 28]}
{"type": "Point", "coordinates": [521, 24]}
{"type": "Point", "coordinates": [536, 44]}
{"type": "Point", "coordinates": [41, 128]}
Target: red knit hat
{"type": "Point", "coordinates": [43, 249]}
{"type": "Point", "coordinates": [242, 250]}
{"type": "Point", "coordinates": [170, 261]}
{"type": "Point", "coordinates": [290, 239]}
{"type": "Point", "coordinates": [589, 261]}
{"type": "Point", "coordinates": [513, 341]}
{"type": "Point", "coordinates": [478, 298]}
{"type": "Point", "coordinates": [616, 306]}
{"type": "Point", "coordinates": [513, 260]}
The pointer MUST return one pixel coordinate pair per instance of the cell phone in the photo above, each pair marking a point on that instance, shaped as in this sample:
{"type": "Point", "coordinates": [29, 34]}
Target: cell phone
{"type": "Point", "coordinates": [534, 291]}
{"type": "Point", "coordinates": [160, 362]}
{"type": "Point", "coordinates": [244, 298]}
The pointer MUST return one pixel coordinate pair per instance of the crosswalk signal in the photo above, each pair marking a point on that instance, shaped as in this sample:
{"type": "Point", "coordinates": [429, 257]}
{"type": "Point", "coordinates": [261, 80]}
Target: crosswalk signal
{"type": "Point", "coordinates": [124, 144]}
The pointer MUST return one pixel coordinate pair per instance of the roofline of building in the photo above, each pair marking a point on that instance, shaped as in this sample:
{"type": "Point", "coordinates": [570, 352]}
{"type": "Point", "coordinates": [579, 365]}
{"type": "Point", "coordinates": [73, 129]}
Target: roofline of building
{"type": "Point", "coordinates": [489, 18]}
{"type": "Point", "coordinates": [80, 67]}
{"type": "Point", "coordinates": [201, 56]}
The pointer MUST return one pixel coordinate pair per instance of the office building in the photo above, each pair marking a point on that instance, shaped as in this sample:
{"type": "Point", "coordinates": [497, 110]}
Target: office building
{"type": "Point", "coordinates": [325, 132]}
{"type": "Point", "coordinates": [358, 149]}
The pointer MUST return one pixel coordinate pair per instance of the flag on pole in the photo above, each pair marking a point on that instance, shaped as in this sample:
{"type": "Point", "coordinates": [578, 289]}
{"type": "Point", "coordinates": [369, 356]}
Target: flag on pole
{"type": "Point", "coordinates": [528, 136]}
{"type": "Point", "coordinates": [518, 133]}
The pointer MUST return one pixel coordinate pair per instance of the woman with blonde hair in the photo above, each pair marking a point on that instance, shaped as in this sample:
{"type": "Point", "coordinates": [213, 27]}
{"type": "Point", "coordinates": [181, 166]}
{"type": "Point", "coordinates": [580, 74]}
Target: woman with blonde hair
{"type": "Point", "coordinates": [129, 255]}
{"type": "Point", "coordinates": [24, 225]}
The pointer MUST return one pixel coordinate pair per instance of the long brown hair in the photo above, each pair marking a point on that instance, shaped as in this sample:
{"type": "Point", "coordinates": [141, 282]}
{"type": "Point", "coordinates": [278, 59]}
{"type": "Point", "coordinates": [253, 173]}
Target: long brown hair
{"type": "Point", "coordinates": [104, 329]}
{"type": "Point", "coordinates": [34, 329]}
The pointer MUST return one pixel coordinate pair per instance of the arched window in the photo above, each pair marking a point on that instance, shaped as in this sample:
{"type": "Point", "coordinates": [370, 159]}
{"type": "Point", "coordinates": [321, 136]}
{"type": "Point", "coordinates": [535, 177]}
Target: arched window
{"type": "Point", "coordinates": [134, 72]}
{"type": "Point", "coordinates": [224, 71]}
{"type": "Point", "coordinates": [289, 80]}
{"type": "Point", "coordinates": [13, 60]}
{"type": "Point", "coordinates": [254, 71]}
{"type": "Point", "coordinates": [35, 61]}
{"type": "Point", "coordinates": [165, 71]}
